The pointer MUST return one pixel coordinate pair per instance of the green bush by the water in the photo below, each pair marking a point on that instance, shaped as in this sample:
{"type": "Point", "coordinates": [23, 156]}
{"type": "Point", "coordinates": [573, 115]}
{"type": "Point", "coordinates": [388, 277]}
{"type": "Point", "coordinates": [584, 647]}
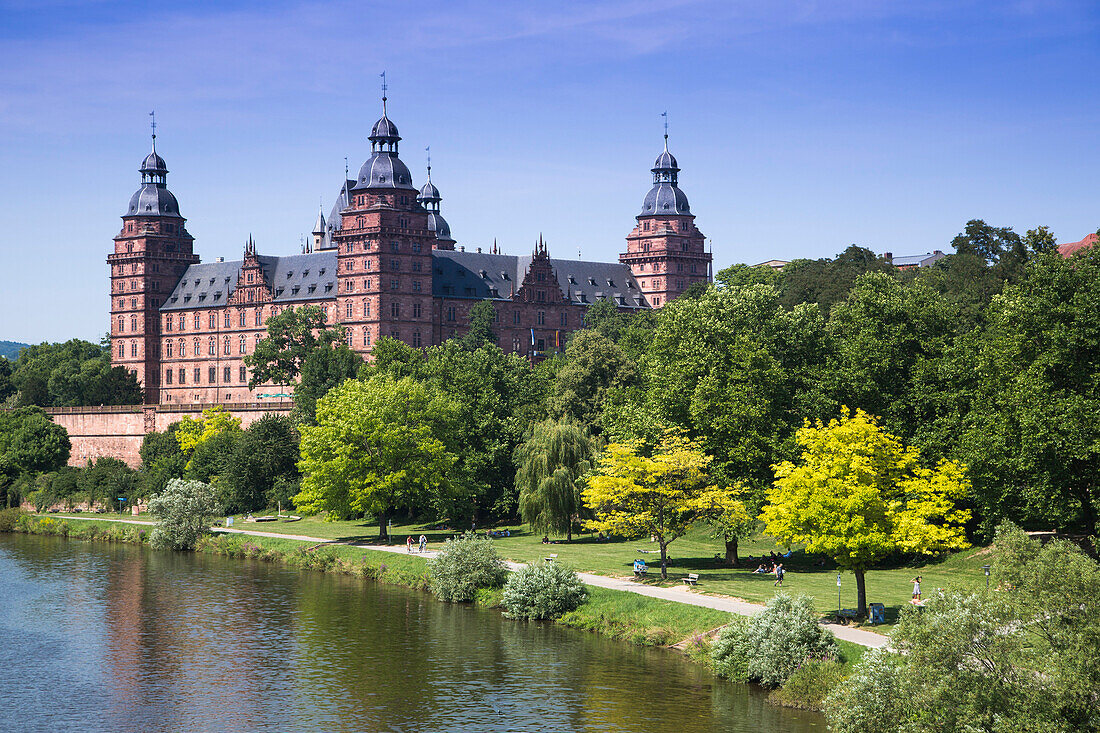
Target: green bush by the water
{"type": "Point", "coordinates": [810, 684]}
{"type": "Point", "coordinates": [465, 564]}
{"type": "Point", "coordinates": [543, 590]}
{"type": "Point", "coordinates": [9, 518]}
{"type": "Point", "coordinates": [770, 646]}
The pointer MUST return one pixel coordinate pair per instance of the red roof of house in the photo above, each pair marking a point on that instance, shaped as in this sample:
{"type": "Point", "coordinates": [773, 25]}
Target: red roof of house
{"type": "Point", "coordinates": [1071, 248]}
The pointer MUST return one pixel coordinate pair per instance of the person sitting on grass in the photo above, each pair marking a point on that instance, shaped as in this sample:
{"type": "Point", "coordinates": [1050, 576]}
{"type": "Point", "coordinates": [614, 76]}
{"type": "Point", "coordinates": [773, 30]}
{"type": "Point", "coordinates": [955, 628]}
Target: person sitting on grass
{"type": "Point", "coordinates": [760, 569]}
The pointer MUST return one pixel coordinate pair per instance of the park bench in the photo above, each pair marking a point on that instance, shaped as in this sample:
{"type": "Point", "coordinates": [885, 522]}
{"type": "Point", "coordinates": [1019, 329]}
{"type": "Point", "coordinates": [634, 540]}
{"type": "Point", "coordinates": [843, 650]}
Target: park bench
{"type": "Point", "coordinates": [551, 558]}
{"type": "Point", "coordinates": [691, 579]}
{"type": "Point", "coordinates": [640, 571]}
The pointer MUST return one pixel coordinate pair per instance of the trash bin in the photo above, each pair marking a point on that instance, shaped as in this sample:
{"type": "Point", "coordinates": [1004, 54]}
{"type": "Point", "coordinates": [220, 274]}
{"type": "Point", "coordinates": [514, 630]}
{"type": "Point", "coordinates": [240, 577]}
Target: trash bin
{"type": "Point", "coordinates": [878, 613]}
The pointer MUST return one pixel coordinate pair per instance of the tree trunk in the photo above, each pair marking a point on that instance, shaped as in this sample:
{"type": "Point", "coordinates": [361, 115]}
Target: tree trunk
{"type": "Point", "coordinates": [569, 532]}
{"type": "Point", "coordinates": [383, 533]}
{"type": "Point", "coordinates": [664, 561]}
{"type": "Point", "coordinates": [861, 593]}
{"type": "Point", "coordinates": [731, 552]}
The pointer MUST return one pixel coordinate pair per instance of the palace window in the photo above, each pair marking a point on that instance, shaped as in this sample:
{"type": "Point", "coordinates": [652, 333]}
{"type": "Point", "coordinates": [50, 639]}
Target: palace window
{"type": "Point", "coordinates": [515, 344]}
{"type": "Point", "coordinates": [450, 313]}
{"type": "Point", "coordinates": [195, 347]}
{"type": "Point", "coordinates": [515, 318]}
{"type": "Point", "coordinates": [227, 374]}
{"type": "Point", "coordinates": [540, 296]}
{"type": "Point", "coordinates": [395, 284]}
{"type": "Point", "coordinates": [133, 323]}
{"type": "Point", "coordinates": [347, 310]}
{"type": "Point", "coordinates": [198, 375]}
{"type": "Point", "coordinates": [416, 286]}
{"type": "Point", "coordinates": [225, 346]}
{"type": "Point", "coordinates": [395, 310]}
{"type": "Point", "coordinates": [395, 265]}
{"type": "Point", "coordinates": [211, 346]}
{"type": "Point", "coordinates": [366, 307]}
{"type": "Point", "coordinates": [416, 246]}
{"type": "Point", "coordinates": [133, 302]}
{"type": "Point", "coordinates": [251, 294]}
{"type": "Point", "coordinates": [198, 324]}
{"type": "Point", "coordinates": [225, 320]}
{"type": "Point", "coordinates": [258, 317]}
{"type": "Point", "coordinates": [212, 321]}
{"type": "Point", "coordinates": [240, 344]}
{"type": "Point", "coordinates": [683, 226]}
{"type": "Point", "coordinates": [242, 374]}
{"type": "Point", "coordinates": [416, 266]}
{"type": "Point", "coordinates": [416, 339]}
{"type": "Point", "coordinates": [121, 324]}
{"type": "Point", "coordinates": [542, 318]}
{"type": "Point", "coordinates": [181, 347]}
{"type": "Point", "coordinates": [395, 334]}
{"type": "Point", "coordinates": [121, 350]}
{"type": "Point", "coordinates": [167, 376]}
{"type": "Point", "coordinates": [183, 375]}
{"type": "Point", "coordinates": [168, 349]}
{"type": "Point", "coordinates": [416, 310]}
{"type": "Point", "coordinates": [240, 319]}
{"type": "Point", "coordinates": [348, 339]}
{"type": "Point", "coordinates": [366, 336]}
{"type": "Point", "coordinates": [183, 322]}
{"type": "Point", "coordinates": [395, 246]}
{"type": "Point", "coordinates": [564, 320]}
{"type": "Point", "coordinates": [212, 375]}
{"type": "Point", "coordinates": [645, 228]}
{"type": "Point", "coordinates": [347, 247]}
{"type": "Point", "coordinates": [168, 323]}
{"type": "Point", "coordinates": [133, 348]}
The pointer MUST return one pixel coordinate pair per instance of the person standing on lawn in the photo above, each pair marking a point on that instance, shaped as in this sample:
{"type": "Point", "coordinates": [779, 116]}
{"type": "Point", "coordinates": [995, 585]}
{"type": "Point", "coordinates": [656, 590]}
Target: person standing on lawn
{"type": "Point", "coordinates": [779, 573]}
{"type": "Point", "coordinates": [916, 588]}
{"type": "Point", "coordinates": [423, 543]}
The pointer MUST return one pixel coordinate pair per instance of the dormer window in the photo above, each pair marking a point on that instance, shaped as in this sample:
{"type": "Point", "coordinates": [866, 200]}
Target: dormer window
{"type": "Point", "coordinates": [289, 274]}
{"type": "Point", "coordinates": [321, 271]}
{"type": "Point", "coordinates": [610, 283]}
{"type": "Point", "coordinates": [503, 275]}
{"type": "Point", "coordinates": [484, 275]}
{"type": "Point", "coordinates": [572, 280]}
{"type": "Point", "coordinates": [591, 281]}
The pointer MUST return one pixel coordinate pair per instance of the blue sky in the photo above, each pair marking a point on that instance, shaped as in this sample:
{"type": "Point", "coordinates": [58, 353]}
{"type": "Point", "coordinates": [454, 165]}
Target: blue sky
{"type": "Point", "coordinates": [801, 126]}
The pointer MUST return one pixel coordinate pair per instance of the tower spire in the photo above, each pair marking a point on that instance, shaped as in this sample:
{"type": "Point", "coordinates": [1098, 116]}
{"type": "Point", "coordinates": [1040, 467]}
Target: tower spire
{"type": "Point", "coordinates": [153, 125]}
{"type": "Point", "coordinates": [428, 150]}
{"type": "Point", "coordinates": [665, 115]}
{"type": "Point", "coordinates": [383, 93]}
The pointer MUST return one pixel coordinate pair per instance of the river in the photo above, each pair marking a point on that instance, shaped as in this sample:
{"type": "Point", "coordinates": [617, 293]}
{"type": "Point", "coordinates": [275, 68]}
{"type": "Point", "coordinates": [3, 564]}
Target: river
{"type": "Point", "coordinates": [98, 637]}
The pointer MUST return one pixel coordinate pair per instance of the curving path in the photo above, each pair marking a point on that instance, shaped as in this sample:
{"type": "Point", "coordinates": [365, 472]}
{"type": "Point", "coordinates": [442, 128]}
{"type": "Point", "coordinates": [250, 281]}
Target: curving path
{"type": "Point", "coordinates": [675, 594]}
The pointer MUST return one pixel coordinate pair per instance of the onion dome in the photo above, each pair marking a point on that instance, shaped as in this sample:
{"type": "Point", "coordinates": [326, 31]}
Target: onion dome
{"type": "Point", "coordinates": [665, 197]}
{"type": "Point", "coordinates": [429, 194]}
{"type": "Point", "coordinates": [153, 198]}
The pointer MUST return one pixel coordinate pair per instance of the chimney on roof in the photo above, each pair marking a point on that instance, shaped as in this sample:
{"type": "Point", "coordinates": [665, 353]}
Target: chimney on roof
{"type": "Point", "coordinates": [479, 250]}
{"type": "Point", "coordinates": [889, 257]}
{"type": "Point", "coordinates": [461, 248]}
{"type": "Point", "coordinates": [219, 259]}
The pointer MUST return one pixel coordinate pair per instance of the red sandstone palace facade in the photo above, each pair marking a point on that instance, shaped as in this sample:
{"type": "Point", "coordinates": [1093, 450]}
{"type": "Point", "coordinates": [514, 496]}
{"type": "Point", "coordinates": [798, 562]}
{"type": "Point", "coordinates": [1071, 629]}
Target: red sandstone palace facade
{"type": "Point", "coordinates": [382, 264]}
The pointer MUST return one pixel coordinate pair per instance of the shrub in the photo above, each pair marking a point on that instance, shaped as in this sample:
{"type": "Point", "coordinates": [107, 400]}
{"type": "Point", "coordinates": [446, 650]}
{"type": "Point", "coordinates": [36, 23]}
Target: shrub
{"type": "Point", "coordinates": [544, 590]}
{"type": "Point", "coordinates": [871, 700]}
{"type": "Point", "coordinates": [809, 685]}
{"type": "Point", "coordinates": [464, 565]}
{"type": "Point", "coordinates": [729, 654]}
{"type": "Point", "coordinates": [770, 646]}
{"type": "Point", "coordinates": [9, 518]}
{"type": "Point", "coordinates": [183, 512]}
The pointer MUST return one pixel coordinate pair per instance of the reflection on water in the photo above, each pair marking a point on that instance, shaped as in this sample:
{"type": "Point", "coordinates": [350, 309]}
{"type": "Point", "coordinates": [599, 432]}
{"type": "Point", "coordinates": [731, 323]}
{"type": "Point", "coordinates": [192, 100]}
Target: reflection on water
{"type": "Point", "coordinates": [118, 638]}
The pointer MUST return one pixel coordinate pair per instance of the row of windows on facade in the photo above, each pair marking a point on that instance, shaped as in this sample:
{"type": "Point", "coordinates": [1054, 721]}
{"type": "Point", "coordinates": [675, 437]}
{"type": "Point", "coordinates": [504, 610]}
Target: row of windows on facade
{"type": "Point", "coordinates": [123, 286]}
{"type": "Point", "coordinates": [373, 265]}
{"type": "Point", "coordinates": [417, 341]}
{"type": "Point", "coordinates": [168, 227]}
{"type": "Point", "coordinates": [211, 375]}
{"type": "Point", "coordinates": [684, 227]}
{"type": "Point", "coordinates": [659, 283]}
{"type": "Point", "coordinates": [179, 347]}
{"type": "Point", "coordinates": [368, 245]}
{"type": "Point", "coordinates": [656, 266]}
{"type": "Point", "coordinates": [402, 222]}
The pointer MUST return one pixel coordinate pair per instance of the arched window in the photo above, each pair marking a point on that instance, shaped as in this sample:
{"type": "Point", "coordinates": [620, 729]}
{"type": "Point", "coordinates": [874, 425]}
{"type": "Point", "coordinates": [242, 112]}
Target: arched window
{"type": "Point", "coordinates": [211, 346]}
{"type": "Point", "coordinates": [133, 323]}
{"type": "Point", "coordinates": [366, 336]}
{"type": "Point", "coordinates": [225, 345]}
{"type": "Point", "coordinates": [133, 348]}
{"type": "Point", "coordinates": [181, 348]}
{"type": "Point", "coordinates": [347, 310]}
{"type": "Point", "coordinates": [195, 347]}
{"type": "Point", "coordinates": [225, 321]}
{"type": "Point", "coordinates": [183, 322]}
{"type": "Point", "coordinates": [240, 345]}
{"type": "Point", "coordinates": [196, 320]}
{"type": "Point", "coordinates": [168, 349]}
{"type": "Point", "coordinates": [121, 350]}
{"type": "Point", "coordinates": [121, 324]}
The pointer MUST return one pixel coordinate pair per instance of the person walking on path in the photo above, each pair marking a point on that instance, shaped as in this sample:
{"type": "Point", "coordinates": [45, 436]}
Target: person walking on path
{"type": "Point", "coordinates": [409, 544]}
{"type": "Point", "coordinates": [916, 589]}
{"type": "Point", "coordinates": [779, 573]}
{"type": "Point", "coordinates": [423, 543]}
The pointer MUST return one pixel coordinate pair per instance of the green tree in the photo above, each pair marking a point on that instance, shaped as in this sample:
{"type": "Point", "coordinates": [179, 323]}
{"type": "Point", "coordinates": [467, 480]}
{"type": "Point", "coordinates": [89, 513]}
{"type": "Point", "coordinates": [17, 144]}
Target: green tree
{"type": "Point", "coordinates": [662, 495]}
{"type": "Point", "coordinates": [162, 460]}
{"type": "Point", "coordinates": [265, 453]}
{"type": "Point", "coordinates": [291, 337]}
{"type": "Point", "coordinates": [183, 512]}
{"type": "Point", "coordinates": [380, 444]}
{"type": "Point", "coordinates": [72, 373]}
{"type": "Point", "coordinates": [30, 444]}
{"type": "Point", "coordinates": [105, 480]}
{"type": "Point", "coordinates": [593, 365]}
{"type": "Point", "coordinates": [1032, 437]}
{"type": "Point", "coordinates": [827, 281]}
{"type": "Point", "coordinates": [550, 465]}
{"type": "Point", "coordinates": [323, 368]}
{"type": "Point", "coordinates": [857, 495]}
{"type": "Point", "coordinates": [482, 317]}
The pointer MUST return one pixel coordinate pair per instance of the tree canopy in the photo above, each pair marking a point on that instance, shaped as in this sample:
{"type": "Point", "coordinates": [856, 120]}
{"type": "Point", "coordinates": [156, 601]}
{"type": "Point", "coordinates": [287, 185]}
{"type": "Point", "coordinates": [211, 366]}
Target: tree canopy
{"type": "Point", "coordinates": [549, 468]}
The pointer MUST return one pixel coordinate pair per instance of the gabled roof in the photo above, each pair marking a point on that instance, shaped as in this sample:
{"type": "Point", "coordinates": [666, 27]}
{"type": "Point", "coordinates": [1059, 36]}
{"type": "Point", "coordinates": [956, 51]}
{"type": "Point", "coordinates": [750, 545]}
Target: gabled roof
{"type": "Point", "coordinates": [294, 278]}
{"type": "Point", "coordinates": [1071, 248]}
{"type": "Point", "coordinates": [483, 276]}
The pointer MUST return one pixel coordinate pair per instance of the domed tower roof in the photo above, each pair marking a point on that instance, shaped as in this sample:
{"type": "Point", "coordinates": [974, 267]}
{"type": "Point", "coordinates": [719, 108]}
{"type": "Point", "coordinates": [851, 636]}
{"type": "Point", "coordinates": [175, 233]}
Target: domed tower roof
{"type": "Point", "coordinates": [665, 197]}
{"type": "Point", "coordinates": [384, 169]}
{"type": "Point", "coordinates": [153, 198]}
{"type": "Point", "coordinates": [429, 193]}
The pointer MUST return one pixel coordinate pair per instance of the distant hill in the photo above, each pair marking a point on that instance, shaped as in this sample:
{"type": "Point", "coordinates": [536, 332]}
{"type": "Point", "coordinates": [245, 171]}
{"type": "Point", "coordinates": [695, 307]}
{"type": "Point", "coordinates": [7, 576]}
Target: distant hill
{"type": "Point", "coordinates": [10, 349]}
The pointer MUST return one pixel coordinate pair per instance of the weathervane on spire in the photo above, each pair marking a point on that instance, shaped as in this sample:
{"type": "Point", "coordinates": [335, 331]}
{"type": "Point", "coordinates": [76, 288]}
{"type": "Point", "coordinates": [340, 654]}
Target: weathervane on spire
{"type": "Point", "coordinates": [153, 125]}
{"type": "Point", "coordinates": [428, 150]}
{"type": "Point", "coordinates": [665, 115]}
{"type": "Point", "coordinates": [383, 75]}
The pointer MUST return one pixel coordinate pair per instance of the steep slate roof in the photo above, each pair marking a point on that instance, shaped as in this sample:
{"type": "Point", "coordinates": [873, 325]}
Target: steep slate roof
{"type": "Point", "coordinates": [1071, 248]}
{"type": "Point", "coordinates": [293, 279]}
{"type": "Point", "coordinates": [481, 275]}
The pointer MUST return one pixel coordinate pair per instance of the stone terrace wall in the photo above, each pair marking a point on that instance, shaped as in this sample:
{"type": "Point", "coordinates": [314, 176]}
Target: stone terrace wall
{"type": "Point", "coordinates": [117, 431]}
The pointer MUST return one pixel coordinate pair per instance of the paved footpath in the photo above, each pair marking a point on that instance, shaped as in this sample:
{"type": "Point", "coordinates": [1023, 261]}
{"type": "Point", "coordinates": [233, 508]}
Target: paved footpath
{"type": "Point", "coordinates": [678, 595]}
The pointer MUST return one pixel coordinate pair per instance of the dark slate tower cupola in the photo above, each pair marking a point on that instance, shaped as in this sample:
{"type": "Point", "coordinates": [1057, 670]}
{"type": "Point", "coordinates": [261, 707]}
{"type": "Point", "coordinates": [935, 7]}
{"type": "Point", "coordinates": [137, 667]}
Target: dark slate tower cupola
{"type": "Point", "coordinates": [153, 198]}
{"type": "Point", "coordinates": [429, 198]}
{"type": "Point", "coordinates": [665, 251]}
{"type": "Point", "coordinates": [384, 169]}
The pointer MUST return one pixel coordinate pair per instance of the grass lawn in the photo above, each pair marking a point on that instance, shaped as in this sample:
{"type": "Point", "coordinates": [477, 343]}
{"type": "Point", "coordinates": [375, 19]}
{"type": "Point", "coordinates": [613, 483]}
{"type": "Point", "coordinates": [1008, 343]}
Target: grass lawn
{"type": "Point", "coordinates": [890, 584]}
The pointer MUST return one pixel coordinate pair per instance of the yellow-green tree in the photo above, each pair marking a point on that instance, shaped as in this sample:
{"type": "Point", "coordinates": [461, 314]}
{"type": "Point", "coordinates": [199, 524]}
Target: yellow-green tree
{"type": "Point", "coordinates": [857, 495]}
{"type": "Point", "coordinates": [661, 495]}
{"type": "Point", "coordinates": [215, 420]}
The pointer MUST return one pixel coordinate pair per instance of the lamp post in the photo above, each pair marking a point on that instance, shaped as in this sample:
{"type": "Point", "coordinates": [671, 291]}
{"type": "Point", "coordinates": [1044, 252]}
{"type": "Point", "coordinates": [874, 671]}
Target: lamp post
{"type": "Point", "coordinates": [985, 568]}
{"type": "Point", "coordinates": [838, 603]}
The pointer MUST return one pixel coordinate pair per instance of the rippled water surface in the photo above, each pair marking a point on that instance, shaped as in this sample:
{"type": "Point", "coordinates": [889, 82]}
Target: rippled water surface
{"type": "Point", "coordinates": [102, 637]}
